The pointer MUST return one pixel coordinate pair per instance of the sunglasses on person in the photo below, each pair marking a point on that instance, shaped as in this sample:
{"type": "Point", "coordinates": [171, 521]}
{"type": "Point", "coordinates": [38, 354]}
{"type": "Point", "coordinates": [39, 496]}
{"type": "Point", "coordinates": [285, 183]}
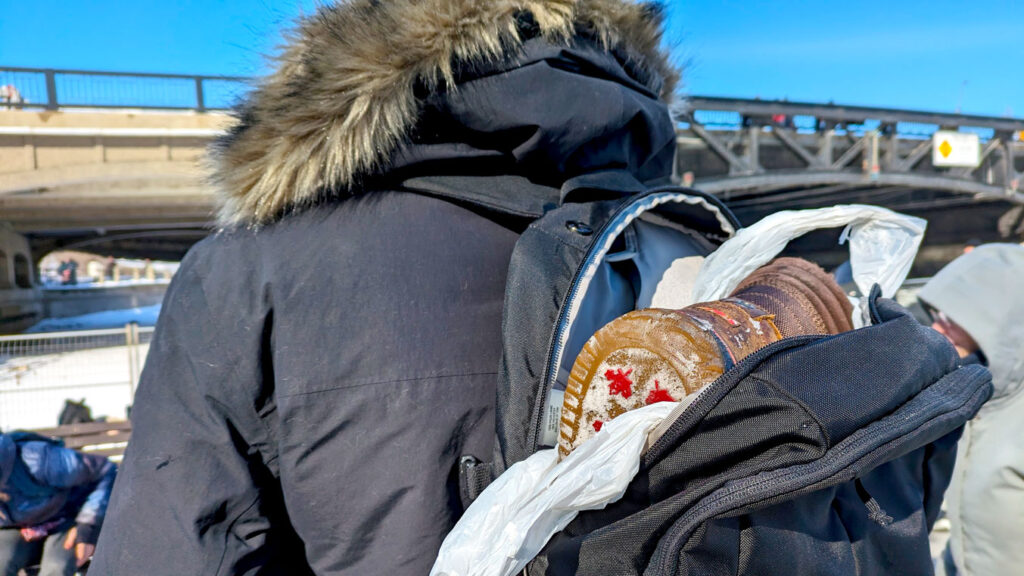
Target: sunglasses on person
{"type": "Point", "coordinates": [934, 314]}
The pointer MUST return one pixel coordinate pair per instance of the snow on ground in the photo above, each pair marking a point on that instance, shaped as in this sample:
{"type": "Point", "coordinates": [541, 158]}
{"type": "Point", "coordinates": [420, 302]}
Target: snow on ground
{"type": "Point", "coordinates": [33, 388]}
{"type": "Point", "coordinates": [145, 316]}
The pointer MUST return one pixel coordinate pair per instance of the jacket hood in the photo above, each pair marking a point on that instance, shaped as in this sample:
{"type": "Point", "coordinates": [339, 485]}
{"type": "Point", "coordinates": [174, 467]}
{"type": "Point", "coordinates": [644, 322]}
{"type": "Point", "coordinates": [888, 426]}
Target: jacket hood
{"type": "Point", "coordinates": [8, 452]}
{"type": "Point", "coordinates": [980, 292]}
{"type": "Point", "coordinates": [363, 85]}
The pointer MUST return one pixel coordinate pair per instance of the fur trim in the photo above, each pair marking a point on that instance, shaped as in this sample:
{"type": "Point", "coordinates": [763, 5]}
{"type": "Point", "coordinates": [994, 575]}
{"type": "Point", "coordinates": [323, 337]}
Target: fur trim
{"type": "Point", "coordinates": [342, 98]}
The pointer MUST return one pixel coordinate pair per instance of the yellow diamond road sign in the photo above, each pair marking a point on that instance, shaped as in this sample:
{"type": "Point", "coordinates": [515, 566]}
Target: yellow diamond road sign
{"type": "Point", "coordinates": [951, 148]}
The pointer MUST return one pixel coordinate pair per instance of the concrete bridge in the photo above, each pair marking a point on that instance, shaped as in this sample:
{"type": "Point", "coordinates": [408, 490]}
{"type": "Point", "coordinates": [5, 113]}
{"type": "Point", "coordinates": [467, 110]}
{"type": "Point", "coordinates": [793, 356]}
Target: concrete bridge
{"type": "Point", "coordinates": [109, 161]}
{"type": "Point", "coordinates": [121, 174]}
{"type": "Point", "coordinates": [128, 182]}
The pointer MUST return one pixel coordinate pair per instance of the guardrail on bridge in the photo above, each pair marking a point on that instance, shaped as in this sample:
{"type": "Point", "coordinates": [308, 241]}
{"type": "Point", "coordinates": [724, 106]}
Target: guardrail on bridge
{"type": "Point", "coordinates": [52, 89]}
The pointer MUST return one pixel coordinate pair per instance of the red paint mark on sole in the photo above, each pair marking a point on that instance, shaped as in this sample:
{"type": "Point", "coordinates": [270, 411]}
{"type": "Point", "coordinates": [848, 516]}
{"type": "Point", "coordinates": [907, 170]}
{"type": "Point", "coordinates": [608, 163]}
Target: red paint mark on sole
{"type": "Point", "coordinates": [658, 395]}
{"type": "Point", "coordinates": [619, 382]}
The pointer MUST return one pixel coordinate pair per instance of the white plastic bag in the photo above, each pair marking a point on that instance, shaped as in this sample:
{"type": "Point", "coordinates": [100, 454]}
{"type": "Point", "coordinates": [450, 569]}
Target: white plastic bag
{"type": "Point", "coordinates": [883, 245]}
{"type": "Point", "coordinates": [518, 513]}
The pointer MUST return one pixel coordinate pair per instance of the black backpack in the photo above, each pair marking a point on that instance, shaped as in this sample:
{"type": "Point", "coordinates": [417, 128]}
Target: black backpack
{"type": "Point", "coordinates": [815, 455]}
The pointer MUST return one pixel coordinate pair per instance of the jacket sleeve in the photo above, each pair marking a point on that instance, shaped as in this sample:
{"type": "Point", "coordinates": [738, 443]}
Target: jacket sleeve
{"type": "Point", "coordinates": [64, 468]}
{"type": "Point", "coordinates": [94, 509]}
{"type": "Point", "coordinates": [197, 492]}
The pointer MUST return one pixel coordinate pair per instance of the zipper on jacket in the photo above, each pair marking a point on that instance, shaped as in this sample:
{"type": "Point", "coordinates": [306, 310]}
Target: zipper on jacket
{"type": "Point", "coordinates": [557, 347]}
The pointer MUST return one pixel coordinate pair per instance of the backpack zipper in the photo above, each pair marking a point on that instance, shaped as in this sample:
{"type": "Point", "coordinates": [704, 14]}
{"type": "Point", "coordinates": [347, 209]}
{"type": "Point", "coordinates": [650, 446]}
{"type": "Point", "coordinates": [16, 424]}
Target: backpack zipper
{"type": "Point", "coordinates": [784, 481]}
{"type": "Point", "coordinates": [557, 347]}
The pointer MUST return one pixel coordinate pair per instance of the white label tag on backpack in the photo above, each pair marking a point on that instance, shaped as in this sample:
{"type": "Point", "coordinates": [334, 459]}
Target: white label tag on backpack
{"type": "Point", "coordinates": [552, 418]}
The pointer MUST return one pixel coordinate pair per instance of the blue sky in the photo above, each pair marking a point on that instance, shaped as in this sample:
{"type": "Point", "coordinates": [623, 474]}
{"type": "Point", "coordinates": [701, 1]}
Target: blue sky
{"type": "Point", "coordinates": [906, 54]}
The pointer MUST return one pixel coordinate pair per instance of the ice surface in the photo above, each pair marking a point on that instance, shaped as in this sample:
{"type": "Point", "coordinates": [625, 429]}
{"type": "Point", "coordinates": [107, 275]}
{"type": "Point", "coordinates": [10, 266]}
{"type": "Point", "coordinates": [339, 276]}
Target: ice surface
{"type": "Point", "coordinates": [145, 316]}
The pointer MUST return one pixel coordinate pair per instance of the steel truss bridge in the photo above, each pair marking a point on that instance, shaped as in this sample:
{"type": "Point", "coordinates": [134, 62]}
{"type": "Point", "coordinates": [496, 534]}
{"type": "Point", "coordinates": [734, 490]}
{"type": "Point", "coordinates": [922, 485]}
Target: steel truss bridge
{"type": "Point", "coordinates": [135, 186]}
{"type": "Point", "coordinates": [764, 156]}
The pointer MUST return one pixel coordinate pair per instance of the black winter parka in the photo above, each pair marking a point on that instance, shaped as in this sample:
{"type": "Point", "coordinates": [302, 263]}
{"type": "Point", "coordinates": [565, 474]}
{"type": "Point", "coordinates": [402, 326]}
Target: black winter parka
{"type": "Point", "coordinates": [321, 364]}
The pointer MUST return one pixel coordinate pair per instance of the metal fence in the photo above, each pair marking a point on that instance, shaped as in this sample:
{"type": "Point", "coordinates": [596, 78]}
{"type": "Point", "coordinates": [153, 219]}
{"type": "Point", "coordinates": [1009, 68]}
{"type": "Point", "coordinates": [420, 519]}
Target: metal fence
{"type": "Point", "coordinates": [52, 89]}
{"type": "Point", "coordinates": [38, 372]}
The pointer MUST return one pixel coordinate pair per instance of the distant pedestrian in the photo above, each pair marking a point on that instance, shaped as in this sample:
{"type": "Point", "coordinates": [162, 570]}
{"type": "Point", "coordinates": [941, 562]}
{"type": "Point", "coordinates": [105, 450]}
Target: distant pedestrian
{"type": "Point", "coordinates": [68, 271]}
{"type": "Point", "coordinates": [52, 504]}
{"type": "Point", "coordinates": [976, 302]}
{"type": "Point", "coordinates": [109, 268]}
{"type": "Point", "coordinates": [9, 95]}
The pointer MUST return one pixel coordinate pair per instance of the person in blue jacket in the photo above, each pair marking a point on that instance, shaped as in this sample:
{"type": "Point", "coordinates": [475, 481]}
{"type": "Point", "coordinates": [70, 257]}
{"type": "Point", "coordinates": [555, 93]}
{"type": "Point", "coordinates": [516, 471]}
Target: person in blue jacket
{"type": "Point", "coordinates": [52, 503]}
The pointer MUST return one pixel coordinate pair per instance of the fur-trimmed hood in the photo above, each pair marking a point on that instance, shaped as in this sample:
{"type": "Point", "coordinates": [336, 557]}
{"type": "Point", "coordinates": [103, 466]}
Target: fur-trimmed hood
{"type": "Point", "coordinates": [350, 86]}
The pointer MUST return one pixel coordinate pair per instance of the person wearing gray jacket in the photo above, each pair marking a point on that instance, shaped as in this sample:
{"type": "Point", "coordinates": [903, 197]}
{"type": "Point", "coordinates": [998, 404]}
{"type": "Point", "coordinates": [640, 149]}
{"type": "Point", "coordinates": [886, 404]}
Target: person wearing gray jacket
{"type": "Point", "coordinates": [976, 302]}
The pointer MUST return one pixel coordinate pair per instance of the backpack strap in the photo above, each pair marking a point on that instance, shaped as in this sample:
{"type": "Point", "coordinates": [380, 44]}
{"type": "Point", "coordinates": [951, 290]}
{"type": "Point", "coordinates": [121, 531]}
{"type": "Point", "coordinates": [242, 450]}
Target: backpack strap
{"type": "Point", "coordinates": [474, 477]}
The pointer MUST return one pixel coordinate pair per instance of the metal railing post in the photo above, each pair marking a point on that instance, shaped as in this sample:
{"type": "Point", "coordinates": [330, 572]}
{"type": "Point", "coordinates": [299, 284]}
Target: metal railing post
{"type": "Point", "coordinates": [753, 152]}
{"type": "Point", "coordinates": [1008, 169]}
{"type": "Point", "coordinates": [138, 359]}
{"type": "Point", "coordinates": [51, 89]}
{"type": "Point", "coordinates": [871, 166]}
{"type": "Point", "coordinates": [200, 100]}
{"type": "Point", "coordinates": [128, 338]}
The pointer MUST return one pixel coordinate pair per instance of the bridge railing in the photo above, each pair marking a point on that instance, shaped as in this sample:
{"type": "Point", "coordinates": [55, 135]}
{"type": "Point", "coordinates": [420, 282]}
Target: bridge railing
{"type": "Point", "coordinates": [53, 89]}
{"type": "Point", "coordinates": [735, 113]}
{"type": "Point", "coordinates": [760, 146]}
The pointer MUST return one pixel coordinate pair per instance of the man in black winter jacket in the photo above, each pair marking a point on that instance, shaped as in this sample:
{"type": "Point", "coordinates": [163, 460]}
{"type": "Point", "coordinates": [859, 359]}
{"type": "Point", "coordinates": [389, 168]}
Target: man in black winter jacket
{"type": "Point", "coordinates": [321, 363]}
